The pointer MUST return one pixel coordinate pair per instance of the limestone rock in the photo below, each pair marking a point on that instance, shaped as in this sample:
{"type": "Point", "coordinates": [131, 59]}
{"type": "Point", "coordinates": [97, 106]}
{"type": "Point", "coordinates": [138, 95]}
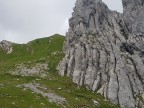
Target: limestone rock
{"type": "Point", "coordinates": [6, 46]}
{"type": "Point", "coordinates": [104, 50]}
{"type": "Point", "coordinates": [96, 103]}
{"type": "Point", "coordinates": [53, 98]}
{"type": "Point", "coordinates": [29, 69]}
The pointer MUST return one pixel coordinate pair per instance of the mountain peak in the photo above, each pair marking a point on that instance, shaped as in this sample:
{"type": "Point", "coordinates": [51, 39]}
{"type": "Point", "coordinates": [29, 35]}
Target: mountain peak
{"type": "Point", "coordinates": [104, 51]}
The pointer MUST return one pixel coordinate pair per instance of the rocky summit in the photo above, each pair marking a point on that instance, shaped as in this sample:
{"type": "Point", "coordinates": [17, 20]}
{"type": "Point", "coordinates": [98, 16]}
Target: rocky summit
{"type": "Point", "coordinates": [104, 51]}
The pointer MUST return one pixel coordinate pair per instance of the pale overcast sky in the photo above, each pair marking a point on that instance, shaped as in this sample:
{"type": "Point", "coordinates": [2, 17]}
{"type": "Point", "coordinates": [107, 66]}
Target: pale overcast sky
{"type": "Point", "coordinates": [25, 20]}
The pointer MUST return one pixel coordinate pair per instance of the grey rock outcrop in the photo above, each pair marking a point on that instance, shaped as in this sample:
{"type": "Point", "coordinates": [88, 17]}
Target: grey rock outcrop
{"type": "Point", "coordinates": [104, 50]}
{"type": "Point", "coordinates": [53, 98]}
{"type": "Point", "coordinates": [29, 69]}
{"type": "Point", "coordinates": [6, 46]}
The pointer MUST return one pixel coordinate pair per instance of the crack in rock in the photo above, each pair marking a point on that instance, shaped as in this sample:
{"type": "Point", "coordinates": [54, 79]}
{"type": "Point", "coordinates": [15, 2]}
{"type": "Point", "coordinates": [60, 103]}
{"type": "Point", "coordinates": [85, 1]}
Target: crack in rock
{"type": "Point", "coordinates": [104, 51]}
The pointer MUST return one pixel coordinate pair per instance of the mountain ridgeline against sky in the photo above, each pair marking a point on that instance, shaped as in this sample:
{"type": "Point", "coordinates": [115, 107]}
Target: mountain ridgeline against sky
{"type": "Point", "coordinates": [29, 79]}
{"type": "Point", "coordinates": [104, 50]}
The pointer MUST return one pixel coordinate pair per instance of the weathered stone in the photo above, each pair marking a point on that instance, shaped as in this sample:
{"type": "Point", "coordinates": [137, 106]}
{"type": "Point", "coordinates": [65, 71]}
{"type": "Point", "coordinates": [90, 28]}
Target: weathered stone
{"type": "Point", "coordinates": [104, 50]}
{"type": "Point", "coordinates": [53, 98]}
{"type": "Point", "coordinates": [96, 103]}
{"type": "Point", "coordinates": [6, 46]}
{"type": "Point", "coordinates": [29, 69]}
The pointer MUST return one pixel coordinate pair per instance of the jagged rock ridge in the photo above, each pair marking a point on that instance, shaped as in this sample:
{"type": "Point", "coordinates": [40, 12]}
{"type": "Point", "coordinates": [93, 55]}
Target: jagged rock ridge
{"type": "Point", "coordinates": [104, 50]}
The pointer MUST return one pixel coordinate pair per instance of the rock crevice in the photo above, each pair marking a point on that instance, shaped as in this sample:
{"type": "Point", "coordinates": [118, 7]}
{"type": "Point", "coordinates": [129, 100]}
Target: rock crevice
{"type": "Point", "coordinates": [104, 50]}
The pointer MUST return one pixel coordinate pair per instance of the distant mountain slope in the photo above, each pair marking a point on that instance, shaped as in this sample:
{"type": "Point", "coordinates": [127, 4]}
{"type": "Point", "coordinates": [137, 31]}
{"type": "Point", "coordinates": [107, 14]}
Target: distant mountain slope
{"type": "Point", "coordinates": [35, 49]}
{"type": "Point", "coordinates": [29, 79]}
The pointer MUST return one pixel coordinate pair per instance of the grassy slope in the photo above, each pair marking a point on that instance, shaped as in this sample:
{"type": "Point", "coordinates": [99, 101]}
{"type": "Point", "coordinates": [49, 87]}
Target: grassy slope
{"type": "Point", "coordinates": [40, 50]}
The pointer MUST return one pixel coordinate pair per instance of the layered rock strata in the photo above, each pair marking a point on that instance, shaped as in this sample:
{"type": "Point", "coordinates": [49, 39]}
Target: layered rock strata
{"type": "Point", "coordinates": [104, 50]}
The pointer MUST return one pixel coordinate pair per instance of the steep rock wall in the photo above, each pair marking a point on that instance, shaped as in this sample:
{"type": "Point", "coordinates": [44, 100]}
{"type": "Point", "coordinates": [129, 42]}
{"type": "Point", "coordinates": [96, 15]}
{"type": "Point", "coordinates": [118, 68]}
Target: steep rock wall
{"type": "Point", "coordinates": [104, 50]}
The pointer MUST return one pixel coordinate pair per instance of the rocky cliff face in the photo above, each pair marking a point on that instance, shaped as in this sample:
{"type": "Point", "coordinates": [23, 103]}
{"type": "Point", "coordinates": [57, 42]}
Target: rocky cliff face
{"type": "Point", "coordinates": [104, 50]}
{"type": "Point", "coordinates": [6, 46]}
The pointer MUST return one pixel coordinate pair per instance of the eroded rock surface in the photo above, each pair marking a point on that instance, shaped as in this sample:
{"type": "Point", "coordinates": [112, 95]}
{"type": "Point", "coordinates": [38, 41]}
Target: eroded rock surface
{"type": "Point", "coordinates": [53, 98]}
{"type": "Point", "coordinates": [104, 50]}
{"type": "Point", "coordinates": [29, 69]}
{"type": "Point", "coordinates": [6, 46]}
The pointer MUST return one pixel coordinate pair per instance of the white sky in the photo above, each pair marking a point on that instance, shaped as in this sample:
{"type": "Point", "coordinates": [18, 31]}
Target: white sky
{"type": "Point", "coordinates": [25, 20]}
